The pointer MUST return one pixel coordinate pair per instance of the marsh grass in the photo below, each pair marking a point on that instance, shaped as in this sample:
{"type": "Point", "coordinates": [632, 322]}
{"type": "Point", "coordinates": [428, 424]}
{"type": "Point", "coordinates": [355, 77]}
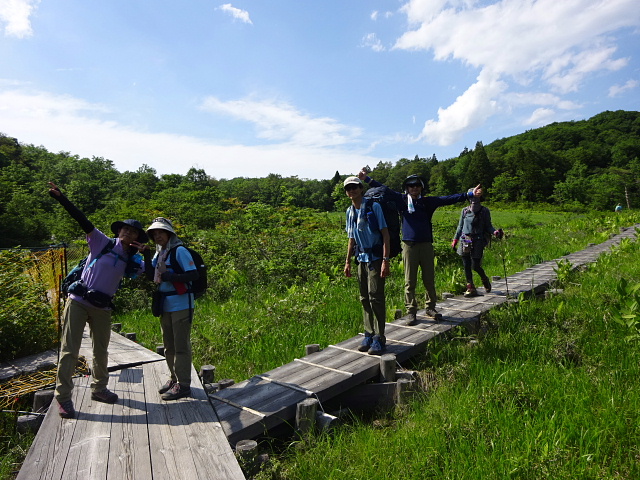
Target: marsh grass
{"type": "Point", "coordinates": [258, 329]}
{"type": "Point", "coordinates": [549, 392]}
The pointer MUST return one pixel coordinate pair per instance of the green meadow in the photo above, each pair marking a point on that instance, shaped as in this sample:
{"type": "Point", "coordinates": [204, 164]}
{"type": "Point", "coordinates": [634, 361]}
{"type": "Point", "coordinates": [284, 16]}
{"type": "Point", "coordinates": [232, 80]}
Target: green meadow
{"type": "Point", "coordinates": [547, 390]}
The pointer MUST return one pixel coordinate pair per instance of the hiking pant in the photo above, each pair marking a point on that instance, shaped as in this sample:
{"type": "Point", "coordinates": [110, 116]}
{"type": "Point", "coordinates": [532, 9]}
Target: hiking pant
{"type": "Point", "coordinates": [372, 297]}
{"type": "Point", "coordinates": [414, 255]}
{"type": "Point", "coordinates": [76, 315]}
{"type": "Point", "coordinates": [471, 263]}
{"type": "Point", "coordinates": [176, 336]}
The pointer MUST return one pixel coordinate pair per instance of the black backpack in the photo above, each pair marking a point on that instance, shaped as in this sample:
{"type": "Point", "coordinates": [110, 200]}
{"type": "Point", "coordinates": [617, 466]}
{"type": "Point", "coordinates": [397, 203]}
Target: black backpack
{"type": "Point", "coordinates": [384, 197]}
{"type": "Point", "coordinates": [198, 286]}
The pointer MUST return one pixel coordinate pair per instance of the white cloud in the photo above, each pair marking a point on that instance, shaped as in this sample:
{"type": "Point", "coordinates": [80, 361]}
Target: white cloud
{"type": "Point", "coordinates": [15, 14]}
{"type": "Point", "coordinates": [469, 110]}
{"type": "Point", "coordinates": [540, 117]}
{"type": "Point", "coordinates": [374, 15]}
{"type": "Point", "coordinates": [236, 13]}
{"type": "Point", "coordinates": [64, 123]}
{"type": "Point", "coordinates": [281, 122]}
{"type": "Point", "coordinates": [371, 41]}
{"type": "Point", "coordinates": [559, 43]}
{"type": "Point", "coordinates": [617, 90]}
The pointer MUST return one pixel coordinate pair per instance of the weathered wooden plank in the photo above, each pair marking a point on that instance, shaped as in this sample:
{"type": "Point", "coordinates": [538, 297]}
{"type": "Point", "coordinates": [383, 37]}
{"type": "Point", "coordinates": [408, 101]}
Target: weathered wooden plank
{"type": "Point", "coordinates": [169, 446]}
{"type": "Point", "coordinates": [89, 450]}
{"type": "Point", "coordinates": [48, 453]}
{"type": "Point", "coordinates": [129, 457]}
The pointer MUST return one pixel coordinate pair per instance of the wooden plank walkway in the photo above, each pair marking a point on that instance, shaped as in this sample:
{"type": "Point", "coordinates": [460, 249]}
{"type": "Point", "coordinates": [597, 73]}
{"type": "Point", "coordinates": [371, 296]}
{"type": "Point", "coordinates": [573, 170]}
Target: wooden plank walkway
{"type": "Point", "coordinates": [252, 407]}
{"type": "Point", "coordinates": [141, 437]}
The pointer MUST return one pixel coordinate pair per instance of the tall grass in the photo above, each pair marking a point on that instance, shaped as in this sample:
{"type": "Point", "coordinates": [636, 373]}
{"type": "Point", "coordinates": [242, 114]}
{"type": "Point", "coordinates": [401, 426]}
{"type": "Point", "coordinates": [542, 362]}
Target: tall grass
{"type": "Point", "coordinates": [549, 392]}
{"type": "Point", "coordinates": [258, 329]}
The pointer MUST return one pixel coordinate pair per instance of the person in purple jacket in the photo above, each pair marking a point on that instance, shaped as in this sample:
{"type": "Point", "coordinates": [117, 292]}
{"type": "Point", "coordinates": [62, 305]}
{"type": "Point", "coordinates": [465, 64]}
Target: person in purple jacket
{"type": "Point", "coordinates": [417, 238]}
{"type": "Point", "coordinates": [89, 300]}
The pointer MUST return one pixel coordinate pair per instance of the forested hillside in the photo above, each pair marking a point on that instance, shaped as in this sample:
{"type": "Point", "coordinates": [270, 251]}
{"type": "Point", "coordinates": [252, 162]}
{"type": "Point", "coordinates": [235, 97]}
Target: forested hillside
{"type": "Point", "coordinates": [590, 164]}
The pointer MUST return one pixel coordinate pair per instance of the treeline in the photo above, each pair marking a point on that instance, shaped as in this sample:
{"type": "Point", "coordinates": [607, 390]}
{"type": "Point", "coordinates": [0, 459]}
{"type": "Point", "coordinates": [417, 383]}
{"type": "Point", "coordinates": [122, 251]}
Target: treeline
{"type": "Point", "coordinates": [590, 164]}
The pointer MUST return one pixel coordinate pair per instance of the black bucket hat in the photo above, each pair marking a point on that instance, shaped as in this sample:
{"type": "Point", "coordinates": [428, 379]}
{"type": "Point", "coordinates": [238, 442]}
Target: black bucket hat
{"type": "Point", "coordinates": [413, 180]}
{"type": "Point", "coordinates": [142, 235]}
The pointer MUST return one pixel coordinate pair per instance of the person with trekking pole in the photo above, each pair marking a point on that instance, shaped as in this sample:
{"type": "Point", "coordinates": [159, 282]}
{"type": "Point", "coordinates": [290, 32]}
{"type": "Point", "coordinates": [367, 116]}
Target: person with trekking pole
{"type": "Point", "coordinates": [89, 301]}
{"type": "Point", "coordinates": [472, 236]}
{"type": "Point", "coordinates": [174, 270]}
{"type": "Point", "coordinates": [369, 244]}
{"type": "Point", "coordinates": [417, 238]}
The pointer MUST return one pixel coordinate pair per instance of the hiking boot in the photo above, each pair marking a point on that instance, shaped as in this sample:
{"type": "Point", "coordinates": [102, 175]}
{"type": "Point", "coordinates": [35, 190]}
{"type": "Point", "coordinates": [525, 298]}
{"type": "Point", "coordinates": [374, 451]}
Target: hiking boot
{"type": "Point", "coordinates": [366, 342]}
{"type": "Point", "coordinates": [487, 284]}
{"type": "Point", "coordinates": [433, 313]}
{"type": "Point", "coordinates": [412, 319]}
{"type": "Point", "coordinates": [377, 346]}
{"type": "Point", "coordinates": [66, 410]}
{"type": "Point", "coordinates": [176, 391]}
{"type": "Point", "coordinates": [104, 396]}
{"type": "Point", "coordinates": [167, 386]}
{"type": "Point", "coordinates": [471, 291]}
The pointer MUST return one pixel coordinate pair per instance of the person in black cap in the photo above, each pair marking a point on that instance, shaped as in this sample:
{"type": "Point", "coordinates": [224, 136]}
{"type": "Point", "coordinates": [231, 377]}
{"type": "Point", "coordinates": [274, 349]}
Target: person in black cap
{"type": "Point", "coordinates": [89, 300]}
{"type": "Point", "coordinates": [417, 238]}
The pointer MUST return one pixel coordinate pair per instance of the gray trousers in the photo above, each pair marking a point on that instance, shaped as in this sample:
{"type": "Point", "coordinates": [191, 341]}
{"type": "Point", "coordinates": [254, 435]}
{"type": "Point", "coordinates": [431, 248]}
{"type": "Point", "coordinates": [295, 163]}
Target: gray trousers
{"type": "Point", "coordinates": [176, 337]}
{"type": "Point", "coordinates": [418, 255]}
{"type": "Point", "coordinates": [76, 316]}
{"type": "Point", "coordinates": [372, 297]}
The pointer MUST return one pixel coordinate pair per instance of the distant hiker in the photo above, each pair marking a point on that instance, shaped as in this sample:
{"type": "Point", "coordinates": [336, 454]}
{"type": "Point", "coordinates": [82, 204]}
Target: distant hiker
{"type": "Point", "coordinates": [618, 208]}
{"type": "Point", "coordinates": [369, 244]}
{"type": "Point", "coordinates": [174, 304]}
{"type": "Point", "coordinates": [417, 239]}
{"type": "Point", "coordinates": [473, 233]}
{"type": "Point", "coordinates": [89, 301]}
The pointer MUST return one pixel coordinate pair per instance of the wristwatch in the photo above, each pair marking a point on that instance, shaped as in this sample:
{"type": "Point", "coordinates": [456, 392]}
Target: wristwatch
{"type": "Point", "coordinates": [385, 258]}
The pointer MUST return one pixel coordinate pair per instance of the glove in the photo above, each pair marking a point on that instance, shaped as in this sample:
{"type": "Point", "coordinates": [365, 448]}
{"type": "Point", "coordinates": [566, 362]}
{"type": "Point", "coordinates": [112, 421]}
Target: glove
{"type": "Point", "coordinates": [499, 233]}
{"type": "Point", "coordinates": [454, 244]}
{"type": "Point", "coordinates": [167, 277]}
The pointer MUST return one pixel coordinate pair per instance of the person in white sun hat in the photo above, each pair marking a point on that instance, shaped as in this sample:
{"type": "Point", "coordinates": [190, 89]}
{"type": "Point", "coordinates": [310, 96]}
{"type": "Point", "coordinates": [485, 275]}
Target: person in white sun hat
{"type": "Point", "coordinates": [173, 303]}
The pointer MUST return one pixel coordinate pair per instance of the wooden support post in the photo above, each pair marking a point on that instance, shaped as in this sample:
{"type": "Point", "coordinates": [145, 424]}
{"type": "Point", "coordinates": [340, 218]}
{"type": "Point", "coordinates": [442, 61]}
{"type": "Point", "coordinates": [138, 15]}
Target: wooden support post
{"type": "Point", "coordinates": [446, 295]}
{"type": "Point", "coordinates": [29, 423]}
{"type": "Point", "coordinates": [116, 327]}
{"type": "Point", "coordinates": [397, 314]}
{"type": "Point", "coordinates": [226, 382]}
{"type": "Point", "coordinates": [388, 368]}
{"type": "Point", "coordinates": [403, 386]}
{"type": "Point", "coordinates": [247, 454]}
{"type": "Point", "coordinates": [130, 336]}
{"type": "Point", "coordinates": [495, 278]}
{"type": "Point", "coordinates": [325, 421]}
{"type": "Point", "coordinates": [41, 400]}
{"type": "Point", "coordinates": [160, 350]}
{"type": "Point", "coordinates": [306, 415]}
{"type": "Point", "coordinates": [207, 373]}
{"type": "Point", "coordinates": [312, 348]}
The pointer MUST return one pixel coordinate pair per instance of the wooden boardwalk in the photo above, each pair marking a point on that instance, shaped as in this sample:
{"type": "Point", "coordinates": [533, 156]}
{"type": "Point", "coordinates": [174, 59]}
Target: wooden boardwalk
{"type": "Point", "coordinates": [141, 437]}
{"type": "Point", "coordinates": [252, 407]}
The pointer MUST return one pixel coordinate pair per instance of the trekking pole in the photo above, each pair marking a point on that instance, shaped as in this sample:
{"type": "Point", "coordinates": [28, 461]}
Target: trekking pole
{"type": "Point", "coordinates": [503, 254]}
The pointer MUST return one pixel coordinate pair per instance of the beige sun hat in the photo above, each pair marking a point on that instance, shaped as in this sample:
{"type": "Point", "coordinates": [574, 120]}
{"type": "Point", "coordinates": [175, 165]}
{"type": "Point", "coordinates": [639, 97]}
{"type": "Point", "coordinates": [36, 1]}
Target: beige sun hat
{"type": "Point", "coordinates": [352, 181]}
{"type": "Point", "coordinates": [161, 223]}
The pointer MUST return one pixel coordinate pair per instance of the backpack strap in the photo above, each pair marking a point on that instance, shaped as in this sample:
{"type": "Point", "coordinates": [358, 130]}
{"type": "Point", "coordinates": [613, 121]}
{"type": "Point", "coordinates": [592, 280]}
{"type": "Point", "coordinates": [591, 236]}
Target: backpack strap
{"type": "Point", "coordinates": [107, 248]}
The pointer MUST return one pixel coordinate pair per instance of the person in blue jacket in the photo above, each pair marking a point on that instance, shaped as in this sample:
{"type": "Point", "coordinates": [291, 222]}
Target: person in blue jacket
{"type": "Point", "coordinates": [417, 238]}
{"type": "Point", "coordinates": [370, 246]}
{"type": "Point", "coordinates": [175, 306]}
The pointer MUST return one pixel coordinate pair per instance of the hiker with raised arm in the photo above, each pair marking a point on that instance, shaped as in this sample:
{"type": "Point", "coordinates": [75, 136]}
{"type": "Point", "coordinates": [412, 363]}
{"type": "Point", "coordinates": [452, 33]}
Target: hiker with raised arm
{"type": "Point", "coordinates": [174, 270]}
{"type": "Point", "coordinates": [417, 238]}
{"type": "Point", "coordinates": [369, 245]}
{"type": "Point", "coordinates": [89, 300]}
{"type": "Point", "coordinates": [472, 236]}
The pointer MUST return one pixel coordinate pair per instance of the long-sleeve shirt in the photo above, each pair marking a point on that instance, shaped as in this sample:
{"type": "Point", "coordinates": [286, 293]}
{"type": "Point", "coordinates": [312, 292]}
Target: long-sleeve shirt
{"type": "Point", "coordinates": [416, 226]}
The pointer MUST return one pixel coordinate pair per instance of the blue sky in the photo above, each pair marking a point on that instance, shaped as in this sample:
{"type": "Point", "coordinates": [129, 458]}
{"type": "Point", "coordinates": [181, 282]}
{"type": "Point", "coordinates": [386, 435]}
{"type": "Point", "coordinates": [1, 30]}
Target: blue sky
{"type": "Point", "coordinates": [301, 87]}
